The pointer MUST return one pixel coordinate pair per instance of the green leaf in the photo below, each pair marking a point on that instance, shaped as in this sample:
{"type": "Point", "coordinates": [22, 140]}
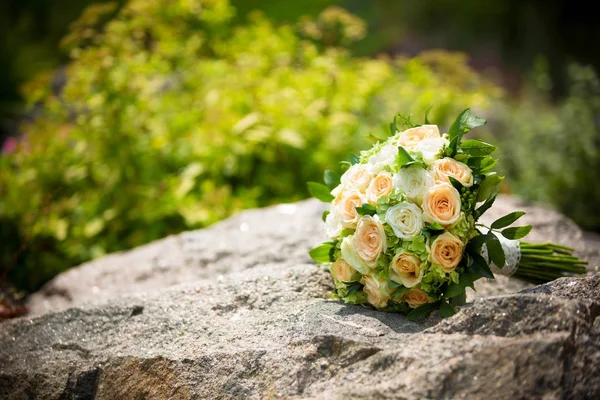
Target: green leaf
{"type": "Point", "coordinates": [485, 206]}
{"type": "Point", "coordinates": [452, 147]}
{"type": "Point", "coordinates": [446, 310]}
{"type": "Point", "coordinates": [477, 242]}
{"type": "Point", "coordinates": [517, 232]}
{"type": "Point", "coordinates": [393, 127]}
{"type": "Point", "coordinates": [427, 111]}
{"type": "Point", "coordinates": [403, 156]}
{"type": "Point", "coordinates": [459, 300]}
{"type": "Point", "coordinates": [507, 219]}
{"type": "Point", "coordinates": [481, 165]}
{"type": "Point", "coordinates": [463, 124]}
{"type": "Point", "coordinates": [366, 209]}
{"type": "Point", "coordinates": [354, 159]}
{"type": "Point", "coordinates": [414, 162]}
{"type": "Point", "coordinates": [480, 267]}
{"type": "Point", "coordinates": [466, 279]}
{"type": "Point", "coordinates": [454, 289]}
{"type": "Point", "coordinates": [421, 311]}
{"type": "Point", "coordinates": [477, 148]}
{"type": "Point", "coordinates": [496, 252]}
{"type": "Point", "coordinates": [331, 178]}
{"type": "Point", "coordinates": [435, 227]}
{"type": "Point", "coordinates": [320, 191]}
{"type": "Point", "coordinates": [353, 287]}
{"type": "Point", "coordinates": [323, 252]}
{"type": "Point", "coordinates": [489, 186]}
{"type": "Point", "coordinates": [324, 215]}
{"type": "Point", "coordinates": [457, 185]}
{"type": "Point", "coordinates": [401, 291]}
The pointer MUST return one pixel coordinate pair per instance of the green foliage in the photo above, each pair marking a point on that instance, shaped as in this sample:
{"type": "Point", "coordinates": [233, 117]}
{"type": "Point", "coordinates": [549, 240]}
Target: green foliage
{"type": "Point", "coordinates": [173, 117]}
{"type": "Point", "coordinates": [551, 152]}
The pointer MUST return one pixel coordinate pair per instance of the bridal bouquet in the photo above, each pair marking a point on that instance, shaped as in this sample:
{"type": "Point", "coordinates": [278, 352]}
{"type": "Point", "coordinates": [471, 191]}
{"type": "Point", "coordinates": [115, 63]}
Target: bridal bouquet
{"type": "Point", "coordinates": [403, 223]}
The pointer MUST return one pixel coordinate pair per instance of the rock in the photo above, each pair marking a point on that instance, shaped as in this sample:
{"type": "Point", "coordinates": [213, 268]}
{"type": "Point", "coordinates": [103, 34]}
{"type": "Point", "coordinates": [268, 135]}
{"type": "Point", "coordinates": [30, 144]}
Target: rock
{"type": "Point", "coordinates": [282, 233]}
{"type": "Point", "coordinates": [241, 312]}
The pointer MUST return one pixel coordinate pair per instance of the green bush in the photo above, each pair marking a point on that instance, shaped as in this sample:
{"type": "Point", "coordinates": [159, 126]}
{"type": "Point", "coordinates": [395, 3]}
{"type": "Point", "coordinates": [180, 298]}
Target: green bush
{"type": "Point", "coordinates": [551, 152]}
{"type": "Point", "coordinates": [173, 117]}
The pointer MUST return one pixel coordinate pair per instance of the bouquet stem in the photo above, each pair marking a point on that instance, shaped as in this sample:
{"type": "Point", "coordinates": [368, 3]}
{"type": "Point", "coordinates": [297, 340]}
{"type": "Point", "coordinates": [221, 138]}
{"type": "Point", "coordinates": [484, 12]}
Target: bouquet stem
{"type": "Point", "coordinates": [543, 262]}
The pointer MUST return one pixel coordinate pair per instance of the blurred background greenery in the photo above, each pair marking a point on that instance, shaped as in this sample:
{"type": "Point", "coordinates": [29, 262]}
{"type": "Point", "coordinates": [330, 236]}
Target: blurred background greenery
{"type": "Point", "coordinates": [123, 122]}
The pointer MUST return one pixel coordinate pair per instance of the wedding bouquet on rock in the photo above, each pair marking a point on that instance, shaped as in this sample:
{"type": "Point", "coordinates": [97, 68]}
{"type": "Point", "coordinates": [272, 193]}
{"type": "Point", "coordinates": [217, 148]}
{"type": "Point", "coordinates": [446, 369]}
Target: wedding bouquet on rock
{"type": "Point", "coordinates": [403, 223]}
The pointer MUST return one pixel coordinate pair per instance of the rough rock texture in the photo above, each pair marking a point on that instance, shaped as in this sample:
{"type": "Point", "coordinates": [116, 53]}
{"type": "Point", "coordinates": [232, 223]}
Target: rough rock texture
{"type": "Point", "coordinates": [249, 320]}
{"type": "Point", "coordinates": [282, 233]}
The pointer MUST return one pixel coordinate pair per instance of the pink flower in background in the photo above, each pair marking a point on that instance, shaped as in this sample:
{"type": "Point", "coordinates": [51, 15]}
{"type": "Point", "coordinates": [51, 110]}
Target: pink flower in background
{"type": "Point", "coordinates": [9, 145]}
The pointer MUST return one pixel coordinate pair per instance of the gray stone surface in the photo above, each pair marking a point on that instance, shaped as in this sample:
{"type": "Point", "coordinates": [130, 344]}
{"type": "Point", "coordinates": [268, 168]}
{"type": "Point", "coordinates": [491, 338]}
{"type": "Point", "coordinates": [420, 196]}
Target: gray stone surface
{"type": "Point", "coordinates": [238, 311]}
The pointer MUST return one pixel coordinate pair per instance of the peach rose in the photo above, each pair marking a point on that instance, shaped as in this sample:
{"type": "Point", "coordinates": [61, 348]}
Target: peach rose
{"type": "Point", "coordinates": [370, 239]}
{"type": "Point", "coordinates": [411, 137]}
{"type": "Point", "coordinates": [441, 204]}
{"type": "Point", "coordinates": [377, 290]}
{"type": "Point", "coordinates": [405, 268]}
{"type": "Point", "coordinates": [416, 297]}
{"type": "Point", "coordinates": [347, 208]}
{"type": "Point", "coordinates": [341, 270]}
{"type": "Point", "coordinates": [357, 177]}
{"type": "Point", "coordinates": [446, 251]}
{"type": "Point", "coordinates": [447, 166]}
{"type": "Point", "coordinates": [380, 186]}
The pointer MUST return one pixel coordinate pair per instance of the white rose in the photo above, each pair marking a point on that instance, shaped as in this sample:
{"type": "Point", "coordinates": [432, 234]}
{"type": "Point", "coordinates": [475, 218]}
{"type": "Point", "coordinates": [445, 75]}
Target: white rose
{"type": "Point", "coordinates": [333, 224]}
{"type": "Point", "coordinates": [413, 136]}
{"type": "Point", "coordinates": [377, 290]}
{"type": "Point", "coordinates": [384, 157]}
{"type": "Point", "coordinates": [406, 219]}
{"type": "Point", "coordinates": [356, 177]}
{"type": "Point", "coordinates": [350, 255]}
{"type": "Point", "coordinates": [430, 148]}
{"type": "Point", "coordinates": [414, 181]}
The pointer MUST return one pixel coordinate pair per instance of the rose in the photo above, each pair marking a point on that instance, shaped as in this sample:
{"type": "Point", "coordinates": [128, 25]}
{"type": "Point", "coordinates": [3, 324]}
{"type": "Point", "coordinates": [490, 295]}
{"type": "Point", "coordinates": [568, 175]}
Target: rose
{"type": "Point", "coordinates": [446, 251]}
{"type": "Point", "coordinates": [385, 156]}
{"type": "Point", "coordinates": [406, 219]}
{"type": "Point", "coordinates": [350, 255]}
{"type": "Point", "coordinates": [347, 208]}
{"type": "Point", "coordinates": [414, 182]}
{"type": "Point", "coordinates": [377, 290]}
{"type": "Point", "coordinates": [405, 268]}
{"type": "Point", "coordinates": [341, 270]}
{"type": "Point", "coordinates": [446, 167]}
{"type": "Point", "coordinates": [370, 239]}
{"type": "Point", "coordinates": [430, 148]}
{"type": "Point", "coordinates": [356, 177]}
{"type": "Point", "coordinates": [416, 297]}
{"type": "Point", "coordinates": [333, 223]}
{"type": "Point", "coordinates": [411, 137]}
{"type": "Point", "coordinates": [380, 186]}
{"type": "Point", "coordinates": [441, 204]}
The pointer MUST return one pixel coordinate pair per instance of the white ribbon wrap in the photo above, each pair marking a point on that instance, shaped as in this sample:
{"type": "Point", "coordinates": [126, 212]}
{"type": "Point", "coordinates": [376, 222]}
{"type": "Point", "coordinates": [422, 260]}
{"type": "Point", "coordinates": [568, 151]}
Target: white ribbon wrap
{"type": "Point", "coordinates": [512, 253]}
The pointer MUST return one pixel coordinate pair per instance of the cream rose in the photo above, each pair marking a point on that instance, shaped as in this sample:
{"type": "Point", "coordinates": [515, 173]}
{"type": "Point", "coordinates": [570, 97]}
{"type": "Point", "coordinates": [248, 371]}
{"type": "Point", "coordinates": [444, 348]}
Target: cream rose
{"type": "Point", "coordinates": [377, 290]}
{"type": "Point", "coordinates": [441, 204]}
{"type": "Point", "coordinates": [385, 156]}
{"type": "Point", "coordinates": [411, 137]}
{"type": "Point", "coordinates": [356, 177]}
{"type": "Point", "coordinates": [370, 239]}
{"type": "Point", "coordinates": [405, 268]}
{"type": "Point", "coordinates": [350, 255]}
{"type": "Point", "coordinates": [413, 181]}
{"type": "Point", "coordinates": [430, 148]}
{"type": "Point", "coordinates": [406, 219]}
{"type": "Point", "coordinates": [347, 208]}
{"type": "Point", "coordinates": [333, 223]}
{"type": "Point", "coordinates": [446, 251]}
{"type": "Point", "coordinates": [416, 297]}
{"type": "Point", "coordinates": [442, 169]}
{"type": "Point", "coordinates": [380, 186]}
{"type": "Point", "coordinates": [341, 270]}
